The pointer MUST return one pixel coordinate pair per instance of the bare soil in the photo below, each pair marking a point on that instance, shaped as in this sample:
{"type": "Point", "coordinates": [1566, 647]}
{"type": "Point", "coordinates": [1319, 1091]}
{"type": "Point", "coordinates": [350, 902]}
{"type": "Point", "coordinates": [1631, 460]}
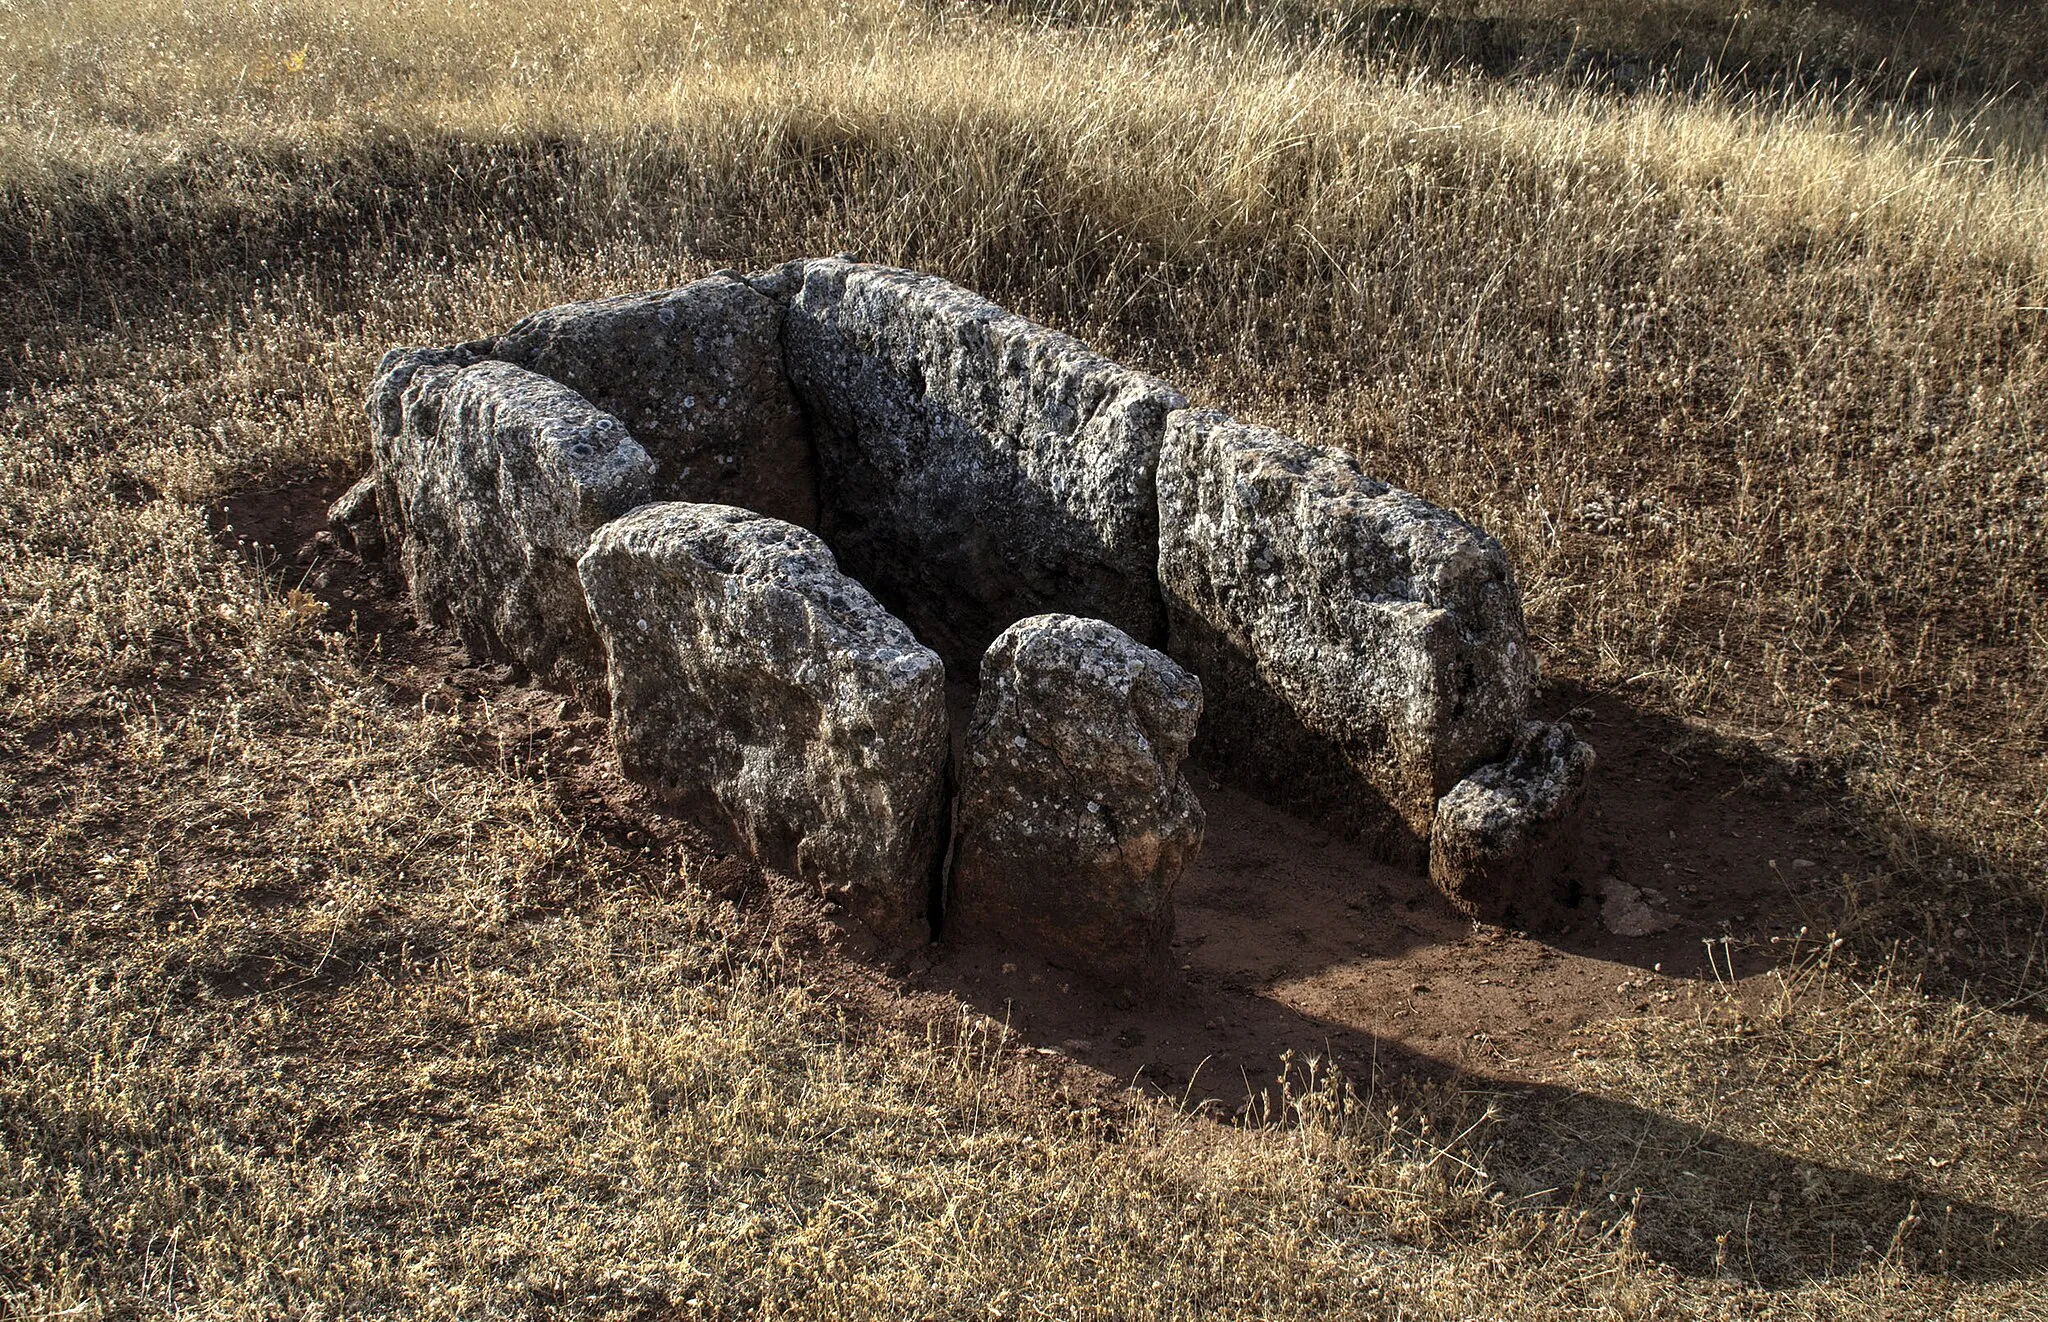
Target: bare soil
{"type": "Point", "coordinates": [1292, 943]}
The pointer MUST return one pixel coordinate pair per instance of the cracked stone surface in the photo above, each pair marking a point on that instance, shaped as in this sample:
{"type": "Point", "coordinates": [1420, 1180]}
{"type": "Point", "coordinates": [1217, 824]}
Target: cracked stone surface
{"type": "Point", "coordinates": [976, 468]}
{"type": "Point", "coordinates": [1361, 648]}
{"type": "Point", "coordinates": [1074, 820]}
{"type": "Point", "coordinates": [490, 481]}
{"type": "Point", "coordinates": [1507, 836]}
{"type": "Point", "coordinates": [759, 689]}
{"type": "Point", "coordinates": [696, 374]}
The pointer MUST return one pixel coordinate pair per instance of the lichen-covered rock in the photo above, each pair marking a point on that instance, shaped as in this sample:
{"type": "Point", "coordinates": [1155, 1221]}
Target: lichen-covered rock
{"type": "Point", "coordinates": [762, 691]}
{"type": "Point", "coordinates": [696, 375]}
{"type": "Point", "coordinates": [1074, 821]}
{"type": "Point", "coordinates": [490, 481]}
{"type": "Point", "coordinates": [404, 404]}
{"type": "Point", "coordinates": [1361, 648]}
{"type": "Point", "coordinates": [354, 521]}
{"type": "Point", "coordinates": [975, 468]}
{"type": "Point", "coordinates": [1507, 835]}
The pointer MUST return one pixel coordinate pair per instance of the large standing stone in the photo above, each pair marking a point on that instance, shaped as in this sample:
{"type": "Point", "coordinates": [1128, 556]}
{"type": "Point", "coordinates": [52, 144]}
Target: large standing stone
{"type": "Point", "coordinates": [1360, 647]}
{"type": "Point", "coordinates": [490, 481]}
{"type": "Point", "coordinates": [1074, 820]}
{"type": "Point", "coordinates": [696, 374]}
{"type": "Point", "coordinates": [763, 691]}
{"type": "Point", "coordinates": [1507, 835]}
{"type": "Point", "coordinates": [976, 468]}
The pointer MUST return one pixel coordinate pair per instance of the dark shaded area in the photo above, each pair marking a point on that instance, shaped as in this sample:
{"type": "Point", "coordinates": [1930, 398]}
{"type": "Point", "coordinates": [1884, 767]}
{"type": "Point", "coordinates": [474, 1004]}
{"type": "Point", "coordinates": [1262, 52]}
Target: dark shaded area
{"type": "Point", "coordinates": [1254, 741]}
{"type": "Point", "coordinates": [1711, 1204]}
{"type": "Point", "coordinates": [200, 234]}
{"type": "Point", "coordinates": [1936, 53]}
{"type": "Point", "coordinates": [1705, 1203]}
{"type": "Point", "coordinates": [306, 969]}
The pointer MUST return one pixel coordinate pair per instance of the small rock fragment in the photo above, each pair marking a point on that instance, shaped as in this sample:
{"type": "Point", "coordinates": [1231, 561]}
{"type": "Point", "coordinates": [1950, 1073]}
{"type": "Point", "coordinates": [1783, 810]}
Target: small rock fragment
{"type": "Point", "coordinates": [490, 481]}
{"type": "Point", "coordinates": [354, 521]}
{"type": "Point", "coordinates": [1075, 822]}
{"type": "Point", "coordinates": [1627, 910]}
{"type": "Point", "coordinates": [1507, 835]}
{"type": "Point", "coordinates": [759, 689]}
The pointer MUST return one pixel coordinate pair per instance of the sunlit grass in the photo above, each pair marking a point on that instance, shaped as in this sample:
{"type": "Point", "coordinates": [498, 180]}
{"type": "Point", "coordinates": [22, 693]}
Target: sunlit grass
{"type": "Point", "coordinates": [1753, 389]}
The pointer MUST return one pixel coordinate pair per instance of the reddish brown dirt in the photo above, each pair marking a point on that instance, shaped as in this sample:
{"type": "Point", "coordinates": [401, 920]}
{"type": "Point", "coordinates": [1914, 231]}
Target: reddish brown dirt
{"type": "Point", "coordinates": [1289, 940]}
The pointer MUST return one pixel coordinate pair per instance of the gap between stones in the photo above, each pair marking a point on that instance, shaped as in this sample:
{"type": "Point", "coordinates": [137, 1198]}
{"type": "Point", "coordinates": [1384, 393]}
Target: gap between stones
{"type": "Point", "coordinates": [762, 518]}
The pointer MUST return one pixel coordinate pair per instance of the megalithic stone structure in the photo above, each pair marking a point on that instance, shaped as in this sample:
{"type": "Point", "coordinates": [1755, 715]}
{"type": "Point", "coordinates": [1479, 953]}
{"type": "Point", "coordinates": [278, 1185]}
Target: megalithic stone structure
{"type": "Point", "coordinates": [802, 490]}
{"type": "Point", "coordinates": [1075, 821]}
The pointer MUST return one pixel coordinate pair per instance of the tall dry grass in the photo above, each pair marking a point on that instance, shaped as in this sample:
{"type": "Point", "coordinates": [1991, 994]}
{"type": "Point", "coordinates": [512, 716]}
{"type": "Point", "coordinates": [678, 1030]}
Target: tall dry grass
{"type": "Point", "coordinates": [1752, 389]}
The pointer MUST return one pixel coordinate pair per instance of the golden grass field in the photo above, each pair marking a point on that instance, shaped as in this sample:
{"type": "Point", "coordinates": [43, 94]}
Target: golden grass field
{"type": "Point", "coordinates": [313, 1003]}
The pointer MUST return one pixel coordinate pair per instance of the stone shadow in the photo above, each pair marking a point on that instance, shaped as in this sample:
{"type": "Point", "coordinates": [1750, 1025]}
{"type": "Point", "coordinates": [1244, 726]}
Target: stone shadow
{"type": "Point", "coordinates": [1704, 1202]}
{"type": "Point", "coordinates": [1867, 51]}
{"type": "Point", "coordinates": [1710, 1203]}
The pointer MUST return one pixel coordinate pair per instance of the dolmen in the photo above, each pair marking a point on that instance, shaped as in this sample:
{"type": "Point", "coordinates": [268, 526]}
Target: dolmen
{"type": "Point", "coordinates": [765, 520]}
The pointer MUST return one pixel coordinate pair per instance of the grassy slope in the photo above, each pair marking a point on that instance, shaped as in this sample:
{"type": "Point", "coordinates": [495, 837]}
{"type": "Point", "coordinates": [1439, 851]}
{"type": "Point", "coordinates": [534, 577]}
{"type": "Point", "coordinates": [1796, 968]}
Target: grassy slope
{"type": "Point", "coordinates": [1753, 393]}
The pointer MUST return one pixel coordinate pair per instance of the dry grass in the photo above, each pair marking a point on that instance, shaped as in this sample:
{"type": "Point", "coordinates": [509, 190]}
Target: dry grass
{"type": "Point", "coordinates": [1753, 390]}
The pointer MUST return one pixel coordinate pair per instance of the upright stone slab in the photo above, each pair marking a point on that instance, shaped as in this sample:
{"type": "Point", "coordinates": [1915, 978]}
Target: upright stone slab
{"type": "Point", "coordinates": [1361, 648]}
{"type": "Point", "coordinates": [763, 691]}
{"type": "Point", "coordinates": [1507, 835]}
{"type": "Point", "coordinates": [696, 374]}
{"type": "Point", "coordinates": [976, 468]}
{"type": "Point", "coordinates": [490, 481]}
{"type": "Point", "coordinates": [404, 404]}
{"type": "Point", "coordinates": [1074, 821]}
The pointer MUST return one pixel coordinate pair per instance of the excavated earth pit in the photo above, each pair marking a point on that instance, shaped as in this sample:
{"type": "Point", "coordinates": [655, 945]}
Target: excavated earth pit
{"type": "Point", "coordinates": [973, 470]}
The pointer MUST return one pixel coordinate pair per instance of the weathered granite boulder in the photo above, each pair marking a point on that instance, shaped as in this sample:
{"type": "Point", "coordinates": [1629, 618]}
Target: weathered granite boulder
{"type": "Point", "coordinates": [1074, 821]}
{"type": "Point", "coordinates": [975, 468]}
{"type": "Point", "coordinates": [1507, 835]}
{"type": "Point", "coordinates": [354, 521]}
{"type": "Point", "coordinates": [1361, 649]}
{"type": "Point", "coordinates": [767, 694]}
{"type": "Point", "coordinates": [393, 391]}
{"type": "Point", "coordinates": [696, 375]}
{"type": "Point", "coordinates": [490, 481]}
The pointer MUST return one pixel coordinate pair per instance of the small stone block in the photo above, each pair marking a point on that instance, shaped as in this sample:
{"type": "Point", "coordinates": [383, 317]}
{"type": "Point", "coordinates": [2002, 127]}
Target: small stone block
{"type": "Point", "coordinates": [1507, 835]}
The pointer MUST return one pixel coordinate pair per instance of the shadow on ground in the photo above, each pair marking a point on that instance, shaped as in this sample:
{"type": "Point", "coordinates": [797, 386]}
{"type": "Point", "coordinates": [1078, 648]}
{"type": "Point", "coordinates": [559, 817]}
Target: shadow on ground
{"type": "Point", "coordinates": [1917, 54]}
